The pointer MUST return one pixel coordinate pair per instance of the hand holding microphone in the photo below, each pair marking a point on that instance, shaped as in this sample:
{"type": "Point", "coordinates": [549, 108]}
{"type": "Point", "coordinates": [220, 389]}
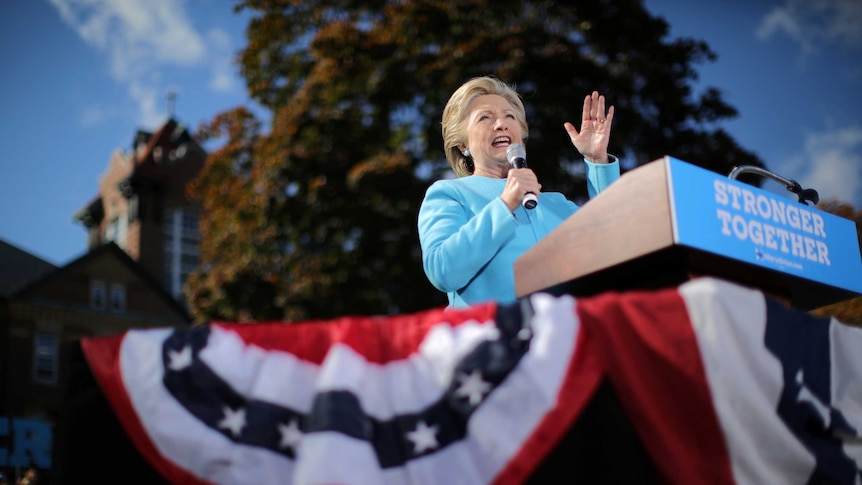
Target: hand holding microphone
{"type": "Point", "coordinates": [517, 156]}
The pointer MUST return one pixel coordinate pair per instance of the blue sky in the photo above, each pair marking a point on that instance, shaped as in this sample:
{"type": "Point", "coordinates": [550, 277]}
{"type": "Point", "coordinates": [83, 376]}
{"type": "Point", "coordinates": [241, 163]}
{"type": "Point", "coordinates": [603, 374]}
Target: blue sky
{"type": "Point", "coordinates": [81, 76]}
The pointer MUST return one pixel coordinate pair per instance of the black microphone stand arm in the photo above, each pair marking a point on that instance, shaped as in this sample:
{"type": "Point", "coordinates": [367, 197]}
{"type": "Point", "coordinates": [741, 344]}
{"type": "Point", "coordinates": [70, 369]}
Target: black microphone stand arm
{"type": "Point", "coordinates": [791, 185]}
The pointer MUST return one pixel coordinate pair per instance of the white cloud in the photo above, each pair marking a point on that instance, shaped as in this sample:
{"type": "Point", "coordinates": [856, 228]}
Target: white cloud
{"type": "Point", "coordinates": [814, 23]}
{"type": "Point", "coordinates": [831, 164]}
{"type": "Point", "coordinates": [224, 77]}
{"type": "Point", "coordinates": [97, 113]}
{"type": "Point", "coordinates": [148, 99]}
{"type": "Point", "coordinates": [136, 34]}
{"type": "Point", "coordinates": [144, 41]}
{"type": "Point", "coordinates": [837, 168]}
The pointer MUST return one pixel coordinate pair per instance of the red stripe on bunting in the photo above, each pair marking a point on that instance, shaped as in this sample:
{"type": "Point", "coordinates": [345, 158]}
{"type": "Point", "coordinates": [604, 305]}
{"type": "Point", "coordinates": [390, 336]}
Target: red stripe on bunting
{"type": "Point", "coordinates": [103, 357]}
{"type": "Point", "coordinates": [378, 339]}
{"type": "Point", "coordinates": [648, 346]}
{"type": "Point", "coordinates": [577, 388]}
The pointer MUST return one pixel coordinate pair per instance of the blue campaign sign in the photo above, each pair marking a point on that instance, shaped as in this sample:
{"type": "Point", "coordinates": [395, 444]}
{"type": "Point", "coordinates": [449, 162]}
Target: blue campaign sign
{"type": "Point", "coordinates": [29, 442]}
{"type": "Point", "coordinates": [739, 221]}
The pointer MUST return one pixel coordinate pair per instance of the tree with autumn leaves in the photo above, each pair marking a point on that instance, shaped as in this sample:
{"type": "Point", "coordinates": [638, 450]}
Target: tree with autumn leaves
{"type": "Point", "coordinates": [314, 215]}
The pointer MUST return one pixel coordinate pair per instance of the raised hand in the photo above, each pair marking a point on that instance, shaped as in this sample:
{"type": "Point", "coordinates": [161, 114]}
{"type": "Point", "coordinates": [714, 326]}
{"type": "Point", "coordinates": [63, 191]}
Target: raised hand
{"type": "Point", "coordinates": [592, 140]}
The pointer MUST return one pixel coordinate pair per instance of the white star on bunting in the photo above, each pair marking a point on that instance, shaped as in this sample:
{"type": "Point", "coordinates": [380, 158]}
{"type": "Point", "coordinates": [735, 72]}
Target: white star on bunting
{"type": "Point", "coordinates": [473, 387]}
{"type": "Point", "coordinates": [180, 360]}
{"type": "Point", "coordinates": [290, 435]}
{"type": "Point", "coordinates": [234, 420]}
{"type": "Point", "coordinates": [424, 437]}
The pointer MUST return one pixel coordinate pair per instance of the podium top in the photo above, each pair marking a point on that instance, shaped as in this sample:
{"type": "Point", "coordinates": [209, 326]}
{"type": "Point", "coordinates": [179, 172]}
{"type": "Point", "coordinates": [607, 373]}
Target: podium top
{"type": "Point", "coordinates": [669, 220]}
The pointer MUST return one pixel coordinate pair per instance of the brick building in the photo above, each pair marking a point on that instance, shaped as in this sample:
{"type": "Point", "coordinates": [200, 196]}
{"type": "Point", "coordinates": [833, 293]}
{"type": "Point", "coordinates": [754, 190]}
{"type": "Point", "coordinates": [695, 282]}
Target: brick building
{"type": "Point", "coordinates": [143, 208]}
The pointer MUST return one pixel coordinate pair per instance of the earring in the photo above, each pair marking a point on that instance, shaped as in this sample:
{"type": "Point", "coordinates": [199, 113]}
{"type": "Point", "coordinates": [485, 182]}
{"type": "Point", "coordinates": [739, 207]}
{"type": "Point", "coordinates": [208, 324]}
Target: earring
{"type": "Point", "coordinates": [467, 152]}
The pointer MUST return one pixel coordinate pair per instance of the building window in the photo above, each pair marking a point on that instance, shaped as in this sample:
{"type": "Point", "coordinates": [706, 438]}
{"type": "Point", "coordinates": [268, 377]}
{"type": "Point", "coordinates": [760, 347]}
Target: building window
{"type": "Point", "coordinates": [45, 358]}
{"type": "Point", "coordinates": [133, 202]}
{"type": "Point", "coordinates": [181, 249]}
{"type": "Point", "coordinates": [97, 295]}
{"type": "Point", "coordinates": [117, 230]}
{"type": "Point", "coordinates": [111, 229]}
{"type": "Point", "coordinates": [118, 297]}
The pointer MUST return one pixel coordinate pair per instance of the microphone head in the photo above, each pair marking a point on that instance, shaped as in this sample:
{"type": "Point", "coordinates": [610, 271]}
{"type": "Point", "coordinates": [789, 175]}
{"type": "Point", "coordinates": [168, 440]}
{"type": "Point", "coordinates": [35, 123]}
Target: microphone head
{"type": "Point", "coordinates": [516, 153]}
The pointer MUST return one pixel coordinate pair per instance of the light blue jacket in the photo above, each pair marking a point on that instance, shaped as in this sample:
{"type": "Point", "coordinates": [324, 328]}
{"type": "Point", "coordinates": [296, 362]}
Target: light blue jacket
{"type": "Point", "coordinates": [470, 240]}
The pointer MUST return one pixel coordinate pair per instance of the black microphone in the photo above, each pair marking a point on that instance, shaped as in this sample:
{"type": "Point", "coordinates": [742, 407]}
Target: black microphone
{"type": "Point", "coordinates": [517, 156]}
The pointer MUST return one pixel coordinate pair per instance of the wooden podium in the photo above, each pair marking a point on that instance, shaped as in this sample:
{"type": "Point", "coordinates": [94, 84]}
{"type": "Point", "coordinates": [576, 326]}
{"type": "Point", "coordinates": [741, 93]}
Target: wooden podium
{"type": "Point", "coordinates": [668, 221]}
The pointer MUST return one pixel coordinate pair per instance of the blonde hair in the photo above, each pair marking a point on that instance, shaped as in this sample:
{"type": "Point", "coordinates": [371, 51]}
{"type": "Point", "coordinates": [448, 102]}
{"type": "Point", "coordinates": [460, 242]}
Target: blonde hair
{"type": "Point", "coordinates": [455, 114]}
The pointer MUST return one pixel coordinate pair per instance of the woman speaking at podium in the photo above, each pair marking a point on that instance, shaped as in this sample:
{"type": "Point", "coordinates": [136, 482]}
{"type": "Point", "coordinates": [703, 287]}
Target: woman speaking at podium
{"type": "Point", "coordinates": [472, 228]}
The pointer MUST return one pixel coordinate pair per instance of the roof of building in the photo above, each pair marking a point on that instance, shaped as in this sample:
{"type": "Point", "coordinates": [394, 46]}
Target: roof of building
{"type": "Point", "coordinates": [111, 248]}
{"type": "Point", "coordinates": [147, 159]}
{"type": "Point", "coordinates": [18, 268]}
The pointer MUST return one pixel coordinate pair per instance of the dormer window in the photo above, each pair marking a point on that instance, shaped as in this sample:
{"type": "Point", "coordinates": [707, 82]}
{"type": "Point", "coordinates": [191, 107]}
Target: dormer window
{"type": "Point", "coordinates": [98, 297]}
{"type": "Point", "coordinates": [158, 154]}
{"type": "Point", "coordinates": [118, 297]}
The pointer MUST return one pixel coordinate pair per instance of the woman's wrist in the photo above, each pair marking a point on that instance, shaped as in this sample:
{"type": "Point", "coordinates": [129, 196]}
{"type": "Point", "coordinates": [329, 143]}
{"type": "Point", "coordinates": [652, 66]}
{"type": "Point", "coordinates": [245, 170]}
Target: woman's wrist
{"type": "Point", "coordinates": [607, 159]}
{"type": "Point", "coordinates": [509, 204]}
